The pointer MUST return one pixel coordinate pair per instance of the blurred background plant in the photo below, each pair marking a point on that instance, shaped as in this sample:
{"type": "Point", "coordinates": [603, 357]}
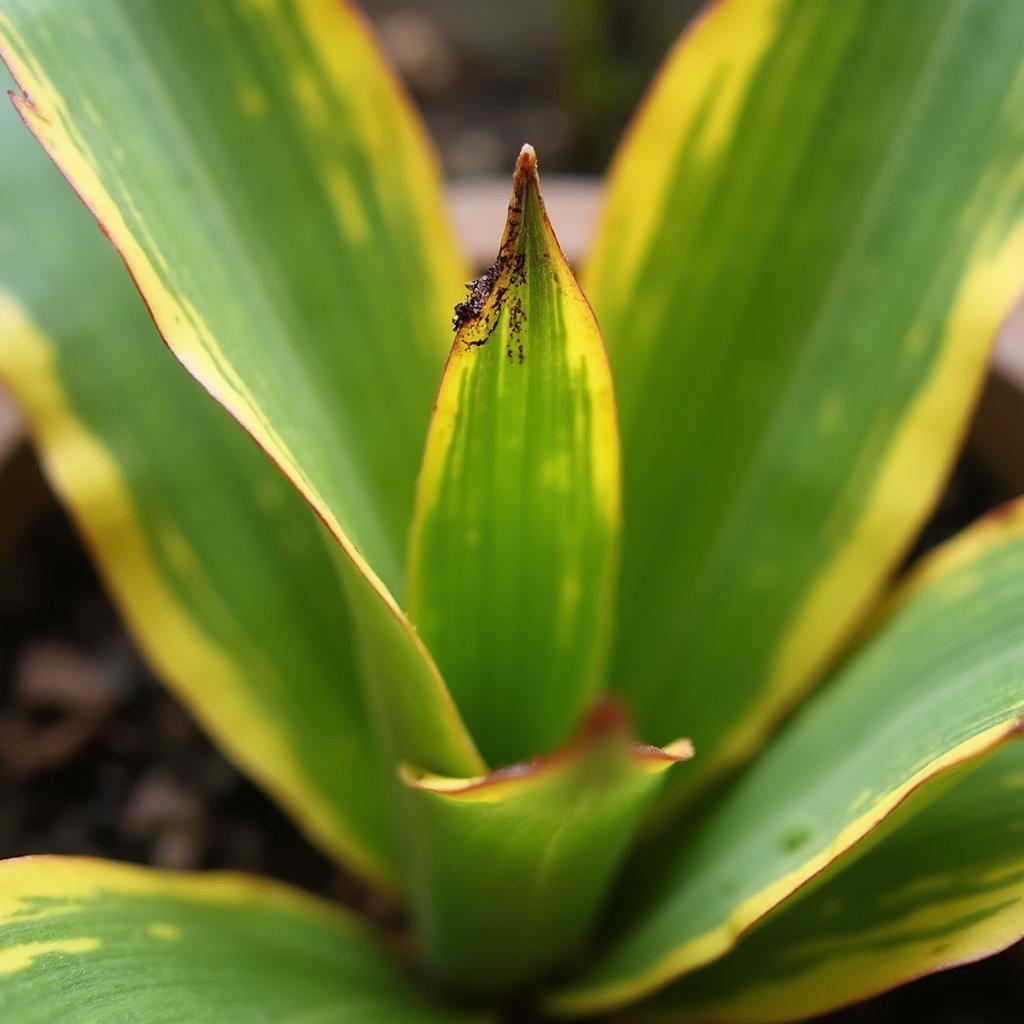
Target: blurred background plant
{"type": "Point", "coordinates": [564, 75]}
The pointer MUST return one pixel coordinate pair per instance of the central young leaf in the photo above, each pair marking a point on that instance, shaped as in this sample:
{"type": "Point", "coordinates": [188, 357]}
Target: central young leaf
{"type": "Point", "coordinates": [510, 870]}
{"type": "Point", "coordinates": [515, 533]}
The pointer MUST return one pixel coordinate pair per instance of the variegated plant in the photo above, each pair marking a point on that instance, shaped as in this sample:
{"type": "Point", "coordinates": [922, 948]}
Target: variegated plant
{"type": "Point", "coordinates": [810, 236]}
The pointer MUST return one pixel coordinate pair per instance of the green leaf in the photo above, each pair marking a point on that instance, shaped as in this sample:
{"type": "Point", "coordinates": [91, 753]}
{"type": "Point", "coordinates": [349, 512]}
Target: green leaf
{"type": "Point", "coordinates": [939, 684]}
{"type": "Point", "coordinates": [85, 940]}
{"type": "Point", "coordinates": [812, 232]}
{"type": "Point", "coordinates": [510, 869]}
{"type": "Point", "coordinates": [202, 542]}
{"type": "Point", "coordinates": [261, 176]}
{"type": "Point", "coordinates": [945, 889]}
{"type": "Point", "coordinates": [515, 535]}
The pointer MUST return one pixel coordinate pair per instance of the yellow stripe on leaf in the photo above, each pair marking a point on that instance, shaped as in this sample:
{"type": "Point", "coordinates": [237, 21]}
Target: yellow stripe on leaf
{"type": "Point", "coordinates": [799, 278]}
{"type": "Point", "coordinates": [208, 677]}
{"type": "Point", "coordinates": [81, 937]}
{"type": "Point", "coordinates": [906, 486]}
{"type": "Point", "coordinates": [932, 691]}
{"type": "Point", "coordinates": [702, 84]}
{"type": "Point", "coordinates": [945, 888]}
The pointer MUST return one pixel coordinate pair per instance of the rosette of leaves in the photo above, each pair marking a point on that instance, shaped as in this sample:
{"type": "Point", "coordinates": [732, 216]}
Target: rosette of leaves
{"type": "Point", "coordinates": [457, 629]}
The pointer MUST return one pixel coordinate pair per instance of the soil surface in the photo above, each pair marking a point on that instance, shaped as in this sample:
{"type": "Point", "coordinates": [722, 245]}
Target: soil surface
{"type": "Point", "coordinates": [96, 757]}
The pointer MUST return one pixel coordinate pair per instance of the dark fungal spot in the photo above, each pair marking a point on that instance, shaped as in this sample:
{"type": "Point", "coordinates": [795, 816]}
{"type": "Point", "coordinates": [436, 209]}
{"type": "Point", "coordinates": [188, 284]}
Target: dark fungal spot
{"type": "Point", "coordinates": [516, 316]}
{"type": "Point", "coordinates": [479, 290]}
{"type": "Point", "coordinates": [477, 315]}
{"type": "Point", "coordinates": [518, 273]}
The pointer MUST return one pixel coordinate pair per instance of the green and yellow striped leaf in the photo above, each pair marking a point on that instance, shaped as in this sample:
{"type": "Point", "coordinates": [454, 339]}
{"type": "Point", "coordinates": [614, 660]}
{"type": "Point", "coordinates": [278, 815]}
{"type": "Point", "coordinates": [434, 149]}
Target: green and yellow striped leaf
{"type": "Point", "coordinates": [939, 684]}
{"type": "Point", "coordinates": [509, 869]}
{"type": "Point", "coordinates": [515, 534]}
{"type": "Point", "coordinates": [811, 234]}
{"type": "Point", "coordinates": [83, 941]}
{"type": "Point", "coordinates": [216, 563]}
{"type": "Point", "coordinates": [276, 204]}
{"type": "Point", "coordinates": [945, 889]}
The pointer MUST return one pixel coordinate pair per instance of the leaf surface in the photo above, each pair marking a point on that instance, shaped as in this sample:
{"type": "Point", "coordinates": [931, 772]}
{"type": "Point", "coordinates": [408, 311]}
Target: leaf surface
{"type": "Point", "coordinates": [262, 178]}
{"type": "Point", "coordinates": [945, 889]}
{"type": "Point", "coordinates": [204, 546]}
{"type": "Point", "coordinates": [811, 234]}
{"type": "Point", "coordinates": [85, 940]}
{"type": "Point", "coordinates": [939, 684]}
{"type": "Point", "coordinates": [511, 868]}
{"type": "Point", "coordinates": [515, 533]}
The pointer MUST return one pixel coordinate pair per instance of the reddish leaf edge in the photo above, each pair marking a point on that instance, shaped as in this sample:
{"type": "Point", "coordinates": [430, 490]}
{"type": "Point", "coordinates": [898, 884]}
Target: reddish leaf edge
{"type": "Point", "coordinates": [606, 723]}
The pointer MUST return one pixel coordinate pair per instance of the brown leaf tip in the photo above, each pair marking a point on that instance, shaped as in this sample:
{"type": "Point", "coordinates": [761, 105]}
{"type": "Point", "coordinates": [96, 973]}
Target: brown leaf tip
{"type": "Point", "coordinates": [526, 166]}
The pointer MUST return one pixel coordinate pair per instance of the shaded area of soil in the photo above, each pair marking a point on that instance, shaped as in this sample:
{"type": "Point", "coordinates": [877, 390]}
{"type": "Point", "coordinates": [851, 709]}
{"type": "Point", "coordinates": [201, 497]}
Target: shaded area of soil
{"type": "Point", "coordinates": [97, 758]}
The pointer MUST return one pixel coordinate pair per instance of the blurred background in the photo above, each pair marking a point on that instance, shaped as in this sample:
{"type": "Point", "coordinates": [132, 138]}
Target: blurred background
{"type": "Point", "coordinates": [96, 758]}
{"type": "Point", "coordinates": [562, 75]}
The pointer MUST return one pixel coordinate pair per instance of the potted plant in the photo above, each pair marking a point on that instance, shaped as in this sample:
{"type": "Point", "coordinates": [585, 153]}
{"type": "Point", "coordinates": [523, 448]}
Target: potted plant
{"type": "Point", "coordinates": [466, 631]}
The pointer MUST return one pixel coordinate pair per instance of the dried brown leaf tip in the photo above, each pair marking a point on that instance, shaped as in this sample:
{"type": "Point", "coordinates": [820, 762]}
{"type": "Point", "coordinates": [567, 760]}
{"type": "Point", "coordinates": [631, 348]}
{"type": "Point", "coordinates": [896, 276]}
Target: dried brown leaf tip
{"type": "Point", "coordinates": [477, 315]}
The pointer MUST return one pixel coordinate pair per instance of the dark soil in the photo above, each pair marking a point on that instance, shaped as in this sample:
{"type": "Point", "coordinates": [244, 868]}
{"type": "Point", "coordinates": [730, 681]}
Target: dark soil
{"type": "Point", "coordinates": [96, 757]}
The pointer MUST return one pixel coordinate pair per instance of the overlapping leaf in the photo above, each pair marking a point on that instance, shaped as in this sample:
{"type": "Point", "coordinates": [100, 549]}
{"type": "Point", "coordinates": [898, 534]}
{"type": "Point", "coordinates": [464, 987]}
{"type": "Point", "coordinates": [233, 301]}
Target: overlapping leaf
{"type": "Point", "coordinates": [511, 868]}
{"type": "Point", "coordinates": [812, 232]}
{"type": "Point", "coordinates": [279, 212]}
{"type": "Point", "coordinates": [939, 684]}
{"type": "Point", "coordinates": [86, 940]}
{"type": "Point", "coordinates": [216, 563]}
{"type": "Point", "coordinates": [515, 535]}
{"type": "Point", "coordinates": [945, 889]}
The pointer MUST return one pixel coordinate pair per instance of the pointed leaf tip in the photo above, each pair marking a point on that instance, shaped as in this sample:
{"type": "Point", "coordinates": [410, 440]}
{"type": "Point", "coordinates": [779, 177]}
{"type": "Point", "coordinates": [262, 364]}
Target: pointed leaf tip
{"type": "Point", "coordinates": [526, 166]}
{"type": "Point", "coordinates": [609, 719]}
